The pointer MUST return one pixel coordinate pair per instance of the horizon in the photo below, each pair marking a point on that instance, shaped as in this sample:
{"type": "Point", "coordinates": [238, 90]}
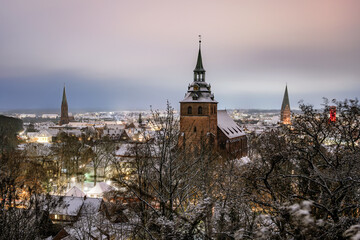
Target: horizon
{"type": "Point", "coordinates": [76, 111]}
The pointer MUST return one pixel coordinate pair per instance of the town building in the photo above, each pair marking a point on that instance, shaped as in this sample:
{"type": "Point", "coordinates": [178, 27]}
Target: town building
{"type": "Point", "coordinates": [202, 123]}
{"type": "Point", "coordinates": [68, 209]}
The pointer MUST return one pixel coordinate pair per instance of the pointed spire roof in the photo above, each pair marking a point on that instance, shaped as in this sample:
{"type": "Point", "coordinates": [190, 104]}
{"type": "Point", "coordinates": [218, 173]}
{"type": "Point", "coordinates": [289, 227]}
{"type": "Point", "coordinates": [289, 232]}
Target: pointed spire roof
{"type": "Point", "coordinates": [64, 101]}
{"type": "Point", "coordinates": [199, 65]}
{"type": "Point", "coordinates": [285, 99]}
{"type": "Point", "coordinates": [199, 90]}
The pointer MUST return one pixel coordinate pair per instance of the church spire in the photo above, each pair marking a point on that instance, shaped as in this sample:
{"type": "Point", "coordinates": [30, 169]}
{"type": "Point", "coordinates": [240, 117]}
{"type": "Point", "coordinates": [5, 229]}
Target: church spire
{"type": "Point", "coordinates": [285, 100]}
{"type": "Point", "coordinates": [64, 117]}
{"type": "Point", "coordinates": [199, 71]}
{"type": "Point", "coordinates": [64, 101]}
{"type": "Point", "coordinates": [285, 114]}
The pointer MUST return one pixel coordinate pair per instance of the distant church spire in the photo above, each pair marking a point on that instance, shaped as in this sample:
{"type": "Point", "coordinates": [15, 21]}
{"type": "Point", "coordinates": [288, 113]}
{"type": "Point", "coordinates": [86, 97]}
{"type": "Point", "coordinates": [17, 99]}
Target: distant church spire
{"type": "Point", "coordinates": [285, 108]}
{"type": "Point", "coordinates": [64, 118]}
{"type": "Point", "coordinates": [199, 71]}
{"type": "Point", "coordinates": [64, 101]}
{"type": "Point", "coordinates": [285, 99]}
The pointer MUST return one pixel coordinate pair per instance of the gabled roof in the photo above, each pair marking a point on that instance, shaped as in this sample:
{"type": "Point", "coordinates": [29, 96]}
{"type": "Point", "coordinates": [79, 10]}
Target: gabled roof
{"type": "Point", "coordinates": [130, 125]}
{"type": "Point", "coordinates": [285, 100]}
{"type": "Point", "coordinates": [100, 188]}
{"type": "Point", "coordinates": [67, 205]}
{"type": "Point", "coordinates": [91, 206]}
{"type": "Point", "coordinates": [75, 192]}
{"type": "Point", "coordinates": [227, 125]}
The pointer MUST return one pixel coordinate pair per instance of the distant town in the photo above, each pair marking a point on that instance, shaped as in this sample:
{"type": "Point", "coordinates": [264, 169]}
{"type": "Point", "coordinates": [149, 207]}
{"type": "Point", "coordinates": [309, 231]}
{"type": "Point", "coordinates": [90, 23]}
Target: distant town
{"type": "Point", "coordinates": [42, 127]}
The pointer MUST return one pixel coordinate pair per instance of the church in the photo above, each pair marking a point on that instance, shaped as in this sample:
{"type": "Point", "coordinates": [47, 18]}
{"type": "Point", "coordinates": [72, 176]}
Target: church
{"type": "Point", "coordinates": [201, 122]}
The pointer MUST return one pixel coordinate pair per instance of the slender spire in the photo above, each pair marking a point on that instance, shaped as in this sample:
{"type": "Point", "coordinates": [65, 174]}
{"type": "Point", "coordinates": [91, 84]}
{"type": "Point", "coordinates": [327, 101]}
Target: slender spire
{"type": "Point", "coordinates": [285, 100]}
{"type": "Point", "coordinates": [64, 117]}
{"type": "Point", "coordinates": [64, 101]}
{"type": "Point", "coordinates": [199, 65]}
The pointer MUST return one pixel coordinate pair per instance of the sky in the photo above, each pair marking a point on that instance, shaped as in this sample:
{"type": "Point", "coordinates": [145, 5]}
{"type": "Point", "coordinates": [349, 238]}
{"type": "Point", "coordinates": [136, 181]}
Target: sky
{"type": "Point", "coordinates": [133, 54]}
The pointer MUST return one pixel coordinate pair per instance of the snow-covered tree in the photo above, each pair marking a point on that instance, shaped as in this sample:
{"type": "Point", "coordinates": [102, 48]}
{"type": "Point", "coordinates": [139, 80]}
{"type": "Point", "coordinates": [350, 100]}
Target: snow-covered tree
{"type": "Point", "coordinates": [315, 160]}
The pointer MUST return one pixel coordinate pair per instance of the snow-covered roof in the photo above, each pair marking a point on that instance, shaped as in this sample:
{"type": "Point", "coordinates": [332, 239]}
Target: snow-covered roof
{"type": "Point", "coordinates": [75, 132]}
{"type": "Point", "coordinates": [68, 206]}
{"type": "Point", "coordinates": [115, 126]}
{"type": "Point", "coordinates": [123, 150]}
{"type": "Point", "coordinates": [100, 188]}
{"type": "Point", "coordinates": [52, 132]}
{"type": "Point", "coordinates": [201, 97]}
{"type": "Point", "coordinates": [78, 124]}
{"type": "Point", "coordinates": [228, 126]}
{"type": "Point", "coordinates": [41, 133]}
{"type": "Point", "coordinates": [75, 192]}
{"type": "Point", "coordinates": [91, 206]}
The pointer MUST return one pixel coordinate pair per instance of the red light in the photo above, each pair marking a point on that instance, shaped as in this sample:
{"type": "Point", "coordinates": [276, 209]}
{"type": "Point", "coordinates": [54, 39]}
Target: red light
{"type": "Point", "coordinates": [332, 114]}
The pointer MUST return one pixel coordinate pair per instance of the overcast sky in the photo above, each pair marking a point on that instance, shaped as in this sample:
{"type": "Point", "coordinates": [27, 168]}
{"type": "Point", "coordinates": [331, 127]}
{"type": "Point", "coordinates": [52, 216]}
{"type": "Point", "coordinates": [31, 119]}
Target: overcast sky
{"type": "Point", "coordinates": [114, 54]}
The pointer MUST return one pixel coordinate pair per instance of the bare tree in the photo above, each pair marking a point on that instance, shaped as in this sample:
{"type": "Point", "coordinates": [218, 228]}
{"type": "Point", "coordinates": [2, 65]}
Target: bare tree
{"type": "Point", "coordinates": [314, 160]}
{"type": "Point", "coordinates": [170, 184]}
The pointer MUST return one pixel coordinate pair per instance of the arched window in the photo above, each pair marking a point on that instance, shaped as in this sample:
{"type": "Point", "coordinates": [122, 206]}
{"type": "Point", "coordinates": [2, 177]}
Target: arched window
{"type": "Point", "coordinates": [194, 129]}
{"type": "Point", "coordinates": [189, 110]}
{"type": "Point", "coordinates": [200, 110]}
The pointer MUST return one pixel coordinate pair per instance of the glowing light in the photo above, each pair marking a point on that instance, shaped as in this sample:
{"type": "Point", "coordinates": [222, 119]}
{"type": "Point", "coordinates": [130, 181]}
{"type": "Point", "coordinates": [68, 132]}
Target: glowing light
{"type": "Point", "coordinates": [332, 114]}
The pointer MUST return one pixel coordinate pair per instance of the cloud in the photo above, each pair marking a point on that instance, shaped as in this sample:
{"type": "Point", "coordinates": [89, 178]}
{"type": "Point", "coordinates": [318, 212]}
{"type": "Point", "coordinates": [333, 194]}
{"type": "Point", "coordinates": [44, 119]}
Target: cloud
{"type": "Point", "coordinates": [254, 46]}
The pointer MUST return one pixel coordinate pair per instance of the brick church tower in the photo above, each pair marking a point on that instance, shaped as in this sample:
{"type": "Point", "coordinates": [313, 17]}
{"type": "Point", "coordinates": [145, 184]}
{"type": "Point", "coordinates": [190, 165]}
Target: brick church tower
{"type": "Point", "coordinates": [285, 109]}
{"type": "Point", "coordinates": [198, 110]}
{"type": "Point", "coordinates": [64, 119]}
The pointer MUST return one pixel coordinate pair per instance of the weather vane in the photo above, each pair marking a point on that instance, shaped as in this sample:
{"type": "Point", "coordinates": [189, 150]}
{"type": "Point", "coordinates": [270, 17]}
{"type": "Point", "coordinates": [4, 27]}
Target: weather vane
{"type": "Point", "coordinates": [199, 40]}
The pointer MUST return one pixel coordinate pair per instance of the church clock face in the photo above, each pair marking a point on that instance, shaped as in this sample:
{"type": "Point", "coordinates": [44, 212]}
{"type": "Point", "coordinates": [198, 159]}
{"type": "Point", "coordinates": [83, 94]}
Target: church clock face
{"type": "Point", "coordinates": [196, 88]}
